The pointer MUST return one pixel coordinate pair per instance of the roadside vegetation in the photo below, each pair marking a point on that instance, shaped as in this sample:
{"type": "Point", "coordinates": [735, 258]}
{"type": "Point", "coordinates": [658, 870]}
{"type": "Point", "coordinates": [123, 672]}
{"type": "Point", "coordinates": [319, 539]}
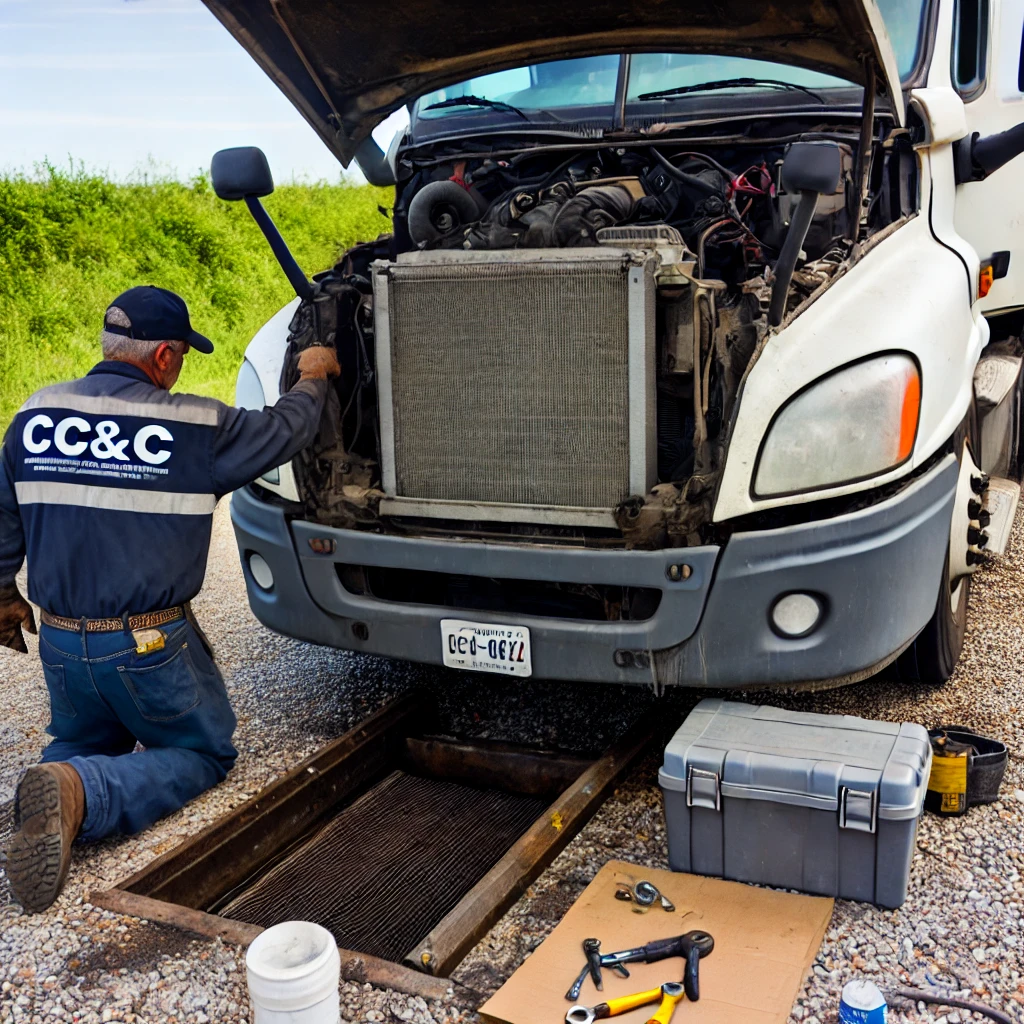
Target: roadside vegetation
{"type": "Point", "coordinates": [70, 241]}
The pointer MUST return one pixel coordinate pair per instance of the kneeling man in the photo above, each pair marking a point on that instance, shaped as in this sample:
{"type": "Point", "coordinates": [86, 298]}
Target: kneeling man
{"type": "Point", "coordinates": [107, 488]}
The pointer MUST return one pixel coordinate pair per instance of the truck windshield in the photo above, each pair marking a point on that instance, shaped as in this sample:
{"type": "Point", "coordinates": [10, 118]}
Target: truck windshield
{"type": "Point", "coordinates": [556, 85]}
{"type": "Point", "coordinates": [585, 86]}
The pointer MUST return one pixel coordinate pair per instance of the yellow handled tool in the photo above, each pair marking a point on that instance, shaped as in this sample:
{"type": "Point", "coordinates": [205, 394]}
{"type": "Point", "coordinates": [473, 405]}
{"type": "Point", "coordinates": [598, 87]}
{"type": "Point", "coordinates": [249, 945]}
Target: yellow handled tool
{"type": "Point", "coordinates": [670, 993]}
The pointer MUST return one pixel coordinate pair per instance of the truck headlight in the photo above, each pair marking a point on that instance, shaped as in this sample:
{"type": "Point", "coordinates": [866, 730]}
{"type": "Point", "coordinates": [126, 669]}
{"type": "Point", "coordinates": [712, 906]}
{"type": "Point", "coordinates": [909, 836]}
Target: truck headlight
{"type": "Point", "coordinates": [248, 389]}
{"type": "Point", "coordinates": [856, 423]}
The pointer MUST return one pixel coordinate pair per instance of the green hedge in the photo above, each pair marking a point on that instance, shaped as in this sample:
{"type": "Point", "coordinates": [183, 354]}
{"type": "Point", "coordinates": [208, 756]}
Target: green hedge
{"type": "Point", "coordinates": [70, 241]}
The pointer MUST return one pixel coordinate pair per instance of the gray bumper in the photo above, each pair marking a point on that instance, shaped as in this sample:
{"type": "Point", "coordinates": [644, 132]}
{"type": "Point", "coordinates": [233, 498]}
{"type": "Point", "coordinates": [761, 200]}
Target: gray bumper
{"type": "Point", "coordinates": [877, 571]}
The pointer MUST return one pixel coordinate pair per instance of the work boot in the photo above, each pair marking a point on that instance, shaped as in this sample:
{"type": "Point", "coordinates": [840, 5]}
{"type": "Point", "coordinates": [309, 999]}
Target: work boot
{"type": "Point", "coordinates": [48, 812]}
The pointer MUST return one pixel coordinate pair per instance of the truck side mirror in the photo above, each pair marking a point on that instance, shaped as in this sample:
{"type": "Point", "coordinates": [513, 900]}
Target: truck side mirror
{"type": "Point", "coordinates": [811, 169]}
{"type": "Point", "coordinates": [243, 173]}
{"type": "Point", "coordinates": [976, 158]}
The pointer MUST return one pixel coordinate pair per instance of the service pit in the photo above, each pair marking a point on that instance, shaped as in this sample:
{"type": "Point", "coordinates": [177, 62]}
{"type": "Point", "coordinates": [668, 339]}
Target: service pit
{"type": "Point", "coordinates": [407, 847]}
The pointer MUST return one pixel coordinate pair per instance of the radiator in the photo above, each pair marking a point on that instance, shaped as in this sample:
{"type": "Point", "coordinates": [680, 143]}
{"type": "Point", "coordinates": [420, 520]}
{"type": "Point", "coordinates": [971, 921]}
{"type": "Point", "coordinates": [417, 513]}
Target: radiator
{"type": "Point", "coordinates": [516, 384]}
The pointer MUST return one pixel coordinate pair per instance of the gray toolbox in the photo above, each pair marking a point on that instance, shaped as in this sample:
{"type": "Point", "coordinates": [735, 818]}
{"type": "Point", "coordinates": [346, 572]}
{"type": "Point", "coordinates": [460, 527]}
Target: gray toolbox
{"type": "Point", "coordinates": [826, 804]}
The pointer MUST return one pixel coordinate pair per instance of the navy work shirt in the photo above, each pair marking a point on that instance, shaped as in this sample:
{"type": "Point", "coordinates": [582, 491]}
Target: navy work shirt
{"type": "Point", "coordinates": [108, 486]}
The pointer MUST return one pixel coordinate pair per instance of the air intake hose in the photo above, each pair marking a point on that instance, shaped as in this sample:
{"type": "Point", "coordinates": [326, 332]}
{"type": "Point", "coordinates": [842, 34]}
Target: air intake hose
{"type": "Point", "coordinates": [976, 157]}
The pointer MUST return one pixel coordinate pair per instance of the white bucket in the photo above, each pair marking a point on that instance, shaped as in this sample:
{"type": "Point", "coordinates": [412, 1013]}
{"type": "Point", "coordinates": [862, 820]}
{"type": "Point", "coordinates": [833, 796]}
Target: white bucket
{"type": "Point", "coordinates": [293, 970]}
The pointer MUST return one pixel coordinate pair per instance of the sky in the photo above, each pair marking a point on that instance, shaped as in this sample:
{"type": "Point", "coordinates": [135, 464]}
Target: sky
{"type": "Point", "coordinates": [133, 87]}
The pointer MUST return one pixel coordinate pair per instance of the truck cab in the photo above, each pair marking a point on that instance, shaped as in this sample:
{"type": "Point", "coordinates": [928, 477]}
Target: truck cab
{"type": "Point", "coordinates": [692, 359]}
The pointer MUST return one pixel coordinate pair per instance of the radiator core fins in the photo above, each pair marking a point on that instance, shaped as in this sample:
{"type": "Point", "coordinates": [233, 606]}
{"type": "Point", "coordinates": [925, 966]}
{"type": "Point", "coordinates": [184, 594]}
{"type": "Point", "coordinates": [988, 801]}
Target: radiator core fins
{"type": "Point", "coordinates": [510, 380]}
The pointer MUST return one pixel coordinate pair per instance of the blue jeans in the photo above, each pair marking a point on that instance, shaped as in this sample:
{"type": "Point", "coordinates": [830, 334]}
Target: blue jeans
{"type": "Point", "coordinates": [104, 696]}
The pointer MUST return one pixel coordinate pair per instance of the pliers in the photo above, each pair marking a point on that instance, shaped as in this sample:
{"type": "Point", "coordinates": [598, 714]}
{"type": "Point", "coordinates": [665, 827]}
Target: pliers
{"type": "Point", "coordinates": [670, 993]}
{"type": "Point", "coordinates": [691, 947]}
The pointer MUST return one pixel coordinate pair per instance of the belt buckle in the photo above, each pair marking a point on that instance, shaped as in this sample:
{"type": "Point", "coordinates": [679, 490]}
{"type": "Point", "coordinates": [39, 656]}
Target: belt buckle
{"type": "Point", "coordinates": [149, 640]}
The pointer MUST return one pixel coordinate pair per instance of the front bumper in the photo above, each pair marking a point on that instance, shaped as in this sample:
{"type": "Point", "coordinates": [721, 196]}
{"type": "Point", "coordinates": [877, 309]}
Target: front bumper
{"type": "Point", "coordinates": [877, 572]}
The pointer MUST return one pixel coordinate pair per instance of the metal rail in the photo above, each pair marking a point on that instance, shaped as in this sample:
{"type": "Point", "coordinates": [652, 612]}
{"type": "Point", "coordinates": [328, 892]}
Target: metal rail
{"type": "Point", "coordinates": [486, 903]}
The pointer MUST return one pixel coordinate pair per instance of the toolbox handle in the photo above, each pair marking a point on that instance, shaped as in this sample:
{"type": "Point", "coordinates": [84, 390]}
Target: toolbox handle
{"type": "Point", "coordinates": [703, 789]}
{"type": "Point", "coordinates": [858, 809]}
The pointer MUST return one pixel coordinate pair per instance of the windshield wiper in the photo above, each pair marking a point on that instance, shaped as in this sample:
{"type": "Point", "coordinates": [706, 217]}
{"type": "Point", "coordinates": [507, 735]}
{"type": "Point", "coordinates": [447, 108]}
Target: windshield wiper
{"type": "Point", "coordinates": [477, 101]}
{"type": "Point", "coordinates": [730, 83]}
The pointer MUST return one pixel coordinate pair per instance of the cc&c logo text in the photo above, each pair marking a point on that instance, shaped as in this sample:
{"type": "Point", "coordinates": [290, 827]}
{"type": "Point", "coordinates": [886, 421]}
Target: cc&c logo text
{"type": "Point", "coordinates": [69, 438]}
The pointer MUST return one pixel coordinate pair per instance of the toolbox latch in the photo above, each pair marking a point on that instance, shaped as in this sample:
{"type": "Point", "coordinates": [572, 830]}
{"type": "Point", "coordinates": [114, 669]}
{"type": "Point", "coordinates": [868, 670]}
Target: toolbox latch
{"type": "Point", "coordinates": [858, 809]}
{"type": "Point", "coordinates": [703, 789]}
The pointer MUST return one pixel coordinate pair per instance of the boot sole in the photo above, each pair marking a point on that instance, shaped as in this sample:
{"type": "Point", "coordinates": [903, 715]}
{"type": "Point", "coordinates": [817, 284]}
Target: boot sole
{"type": "Point", "coordinates": [35, 853]}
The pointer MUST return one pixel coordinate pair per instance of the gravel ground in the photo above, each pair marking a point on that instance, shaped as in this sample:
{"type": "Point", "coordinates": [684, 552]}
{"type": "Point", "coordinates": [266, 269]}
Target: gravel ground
{"type": "Point", "coordinates": [960, 924]}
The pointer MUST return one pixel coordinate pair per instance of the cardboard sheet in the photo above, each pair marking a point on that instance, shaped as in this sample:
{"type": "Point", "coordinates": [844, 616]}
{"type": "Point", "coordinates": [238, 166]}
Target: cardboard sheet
{"type": "Point", "coordinates": [765, 944]}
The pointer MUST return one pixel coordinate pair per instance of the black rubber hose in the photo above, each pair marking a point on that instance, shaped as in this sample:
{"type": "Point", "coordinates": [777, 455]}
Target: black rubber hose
{"type": "Point", "coordinates": [709, 161]}
{"type": "Point", "coordinates": [937, 999]}
{"type": "Point", "coordinates": [795, 237]}
{"type": "Point", "coordinates": [440, 196]}
{"type": "Point", "coordinates": [687, 179]}
{"type": "Point", "coordinates": [991, 153]}
{"type": "Point", "coordinates": [373, 163]}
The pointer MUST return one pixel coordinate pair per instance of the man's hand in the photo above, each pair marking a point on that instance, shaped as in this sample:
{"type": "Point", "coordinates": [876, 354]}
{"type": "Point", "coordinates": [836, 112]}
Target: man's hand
{"type": "Point", "coordinates": [318, 363]}
{"type": "Point", "coordinates": [15, 612]}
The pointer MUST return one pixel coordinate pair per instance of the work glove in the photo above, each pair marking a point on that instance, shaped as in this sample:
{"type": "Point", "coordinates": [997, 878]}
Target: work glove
{"type": "Point", "coordinates": [15, 612]}
{"type": "Point", "coordinates": [318, 362]}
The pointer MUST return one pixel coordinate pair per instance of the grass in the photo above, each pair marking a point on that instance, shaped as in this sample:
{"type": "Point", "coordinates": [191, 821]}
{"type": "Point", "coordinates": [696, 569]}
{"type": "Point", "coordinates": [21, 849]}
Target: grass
{"type": "Point", "coordinates": [70, 241]}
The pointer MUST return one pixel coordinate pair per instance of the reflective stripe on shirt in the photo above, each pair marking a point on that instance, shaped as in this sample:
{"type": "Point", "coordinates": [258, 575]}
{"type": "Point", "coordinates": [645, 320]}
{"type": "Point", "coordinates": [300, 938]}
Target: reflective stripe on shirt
{"type": "Point", "coordinates": [114, 499]}
{"type": "Point", "coordinates": [197, 411]}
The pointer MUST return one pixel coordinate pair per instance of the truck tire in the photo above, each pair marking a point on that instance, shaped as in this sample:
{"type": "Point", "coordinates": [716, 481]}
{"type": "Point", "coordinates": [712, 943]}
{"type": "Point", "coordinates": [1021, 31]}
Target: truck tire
{"type": "Point", "coordinates": [932, 657]}
{"type": "Point", "coordinates": [1017, 442]}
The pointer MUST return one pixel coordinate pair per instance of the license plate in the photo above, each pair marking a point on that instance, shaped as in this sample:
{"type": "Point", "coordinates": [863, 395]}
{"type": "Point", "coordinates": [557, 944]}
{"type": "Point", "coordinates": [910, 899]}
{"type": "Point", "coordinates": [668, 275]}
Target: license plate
{"type": "Point", "coordinates": [486, 647]}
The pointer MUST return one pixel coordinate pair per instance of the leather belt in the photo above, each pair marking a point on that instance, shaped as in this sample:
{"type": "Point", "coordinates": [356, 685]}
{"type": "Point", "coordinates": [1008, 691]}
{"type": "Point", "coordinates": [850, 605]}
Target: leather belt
{"type": "Point", "coordinates": [147, 620]}
{"type": "Point", "coordinates": [967, 770]}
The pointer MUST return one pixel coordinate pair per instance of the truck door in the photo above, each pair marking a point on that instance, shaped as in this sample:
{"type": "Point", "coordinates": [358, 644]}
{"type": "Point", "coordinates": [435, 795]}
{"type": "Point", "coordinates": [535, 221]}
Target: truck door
{"type": "Point", "coordinates": [987, 70]}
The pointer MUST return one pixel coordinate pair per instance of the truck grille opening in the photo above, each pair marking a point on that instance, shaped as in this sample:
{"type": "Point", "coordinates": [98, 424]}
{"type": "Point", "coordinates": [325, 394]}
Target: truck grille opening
{"type": "Point", "coordinates": [585, 601]}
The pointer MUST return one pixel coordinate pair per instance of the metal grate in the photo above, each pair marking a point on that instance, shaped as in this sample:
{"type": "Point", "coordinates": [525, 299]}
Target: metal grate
{"type": "Point", "coordinates": [388, 867]}
{"type": "Point", "coordinates": [510, 378]}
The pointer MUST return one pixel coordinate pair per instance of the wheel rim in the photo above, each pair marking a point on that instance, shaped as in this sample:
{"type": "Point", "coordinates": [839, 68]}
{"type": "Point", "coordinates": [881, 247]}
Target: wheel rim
{"type": "Point", "coordinates": [961, 558]}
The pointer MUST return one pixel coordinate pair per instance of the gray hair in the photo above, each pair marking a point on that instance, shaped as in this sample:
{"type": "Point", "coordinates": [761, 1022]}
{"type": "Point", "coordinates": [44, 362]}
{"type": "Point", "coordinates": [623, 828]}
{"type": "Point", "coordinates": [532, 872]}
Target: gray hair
{"type": "Point", "coordinates": [123, 348]}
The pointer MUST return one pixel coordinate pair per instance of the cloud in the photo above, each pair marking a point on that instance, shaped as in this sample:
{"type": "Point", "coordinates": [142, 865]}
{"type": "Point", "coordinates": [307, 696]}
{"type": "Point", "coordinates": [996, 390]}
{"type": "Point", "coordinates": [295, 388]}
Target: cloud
{"type": "Point", "coordinates": [35, 118]}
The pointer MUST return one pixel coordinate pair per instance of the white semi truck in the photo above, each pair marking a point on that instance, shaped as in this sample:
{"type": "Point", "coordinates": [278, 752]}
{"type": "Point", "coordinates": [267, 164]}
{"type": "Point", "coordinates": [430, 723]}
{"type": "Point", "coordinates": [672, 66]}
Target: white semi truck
{"type": "Point", "coordinates": [693, 357]}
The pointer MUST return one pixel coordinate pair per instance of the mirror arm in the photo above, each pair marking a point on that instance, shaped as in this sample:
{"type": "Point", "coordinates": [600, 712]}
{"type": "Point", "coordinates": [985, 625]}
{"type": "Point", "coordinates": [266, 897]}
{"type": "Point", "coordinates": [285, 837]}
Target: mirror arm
{"type": "Point", "coordinates": [975, 158]}
{"type": "Point", "coordinates": [810, 169]}
{"type": "Point", "coordinates": [795, 237]}
{"type": "Point", "coordinates": [304, 288]}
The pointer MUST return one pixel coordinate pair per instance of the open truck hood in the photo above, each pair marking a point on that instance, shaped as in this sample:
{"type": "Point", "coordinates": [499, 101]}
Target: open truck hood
{"type": "Point", "coordinates": [347, 65]}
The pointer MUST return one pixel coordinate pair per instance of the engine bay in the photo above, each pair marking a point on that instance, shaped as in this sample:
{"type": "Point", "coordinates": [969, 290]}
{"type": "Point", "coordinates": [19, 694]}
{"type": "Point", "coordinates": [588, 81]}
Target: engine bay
{"type": "Point", "coordinates": [713, 213]}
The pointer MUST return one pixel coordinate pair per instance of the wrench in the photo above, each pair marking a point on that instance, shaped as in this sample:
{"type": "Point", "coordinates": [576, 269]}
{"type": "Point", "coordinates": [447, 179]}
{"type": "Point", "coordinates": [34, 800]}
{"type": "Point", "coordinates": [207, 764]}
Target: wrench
{"type": "Point", "coordinates": [670, 993]}
{"type": "Point", "coordinates": [691, 947]}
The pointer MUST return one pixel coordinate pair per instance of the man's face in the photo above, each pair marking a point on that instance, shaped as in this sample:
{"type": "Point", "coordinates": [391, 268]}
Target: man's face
{"type": "Point", "coordinates": [167, 363]}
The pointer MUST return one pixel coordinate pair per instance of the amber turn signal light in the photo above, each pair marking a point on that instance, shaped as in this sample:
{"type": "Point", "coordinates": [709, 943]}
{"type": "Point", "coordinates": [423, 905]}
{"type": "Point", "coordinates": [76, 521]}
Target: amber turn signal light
{"type": "Point", "coordinates": [909, 414]}
{"type": "Point", "coordinates": [986, 279]}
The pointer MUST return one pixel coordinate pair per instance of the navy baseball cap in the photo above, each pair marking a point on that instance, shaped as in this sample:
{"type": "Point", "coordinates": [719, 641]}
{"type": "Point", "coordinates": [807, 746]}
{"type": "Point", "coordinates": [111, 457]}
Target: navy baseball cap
{"type": "Point", "coordinates": [153, 314]}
